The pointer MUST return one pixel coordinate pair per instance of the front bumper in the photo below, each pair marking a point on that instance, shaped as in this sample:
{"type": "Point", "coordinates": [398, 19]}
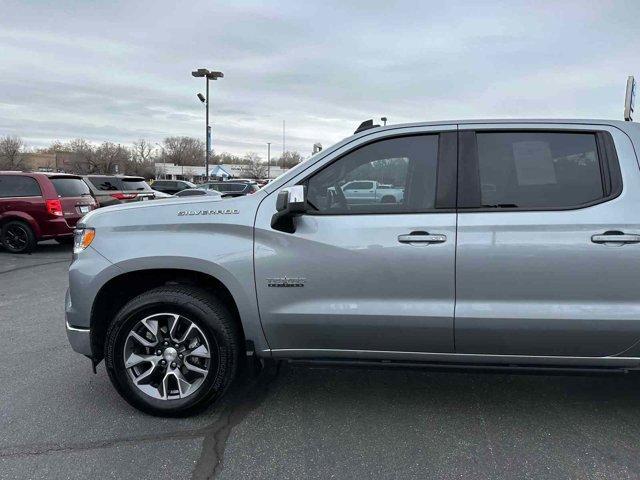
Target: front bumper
{"type": "Point", "coordinates": [79, 337]}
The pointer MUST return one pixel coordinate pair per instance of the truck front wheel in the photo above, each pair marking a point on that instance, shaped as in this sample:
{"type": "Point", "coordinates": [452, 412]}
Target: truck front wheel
{"type": "Point", "coordinates": [173, 350]}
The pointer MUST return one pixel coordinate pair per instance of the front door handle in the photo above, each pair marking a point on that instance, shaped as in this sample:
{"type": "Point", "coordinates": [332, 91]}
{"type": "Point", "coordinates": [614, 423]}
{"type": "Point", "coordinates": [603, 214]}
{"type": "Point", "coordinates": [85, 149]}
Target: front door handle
{"type": "Point", "coordinates": [615, 237]}
{"type": "Point", "coordinates": [422, 237]}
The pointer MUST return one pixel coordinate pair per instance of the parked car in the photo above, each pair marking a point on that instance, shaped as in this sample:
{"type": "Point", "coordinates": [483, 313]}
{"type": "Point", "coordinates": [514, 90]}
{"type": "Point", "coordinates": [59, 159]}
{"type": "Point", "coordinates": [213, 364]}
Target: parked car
{"type": "Point", "coordinates": [158, 194]}
{"type": "Point", "coordinates": [194, 192]}
{"type": "Point", "coordinates": [172, 186]}
{"type": "Point", "coordinates": [231, 188]}
{"type": "Point", "coordinates": [516, 245]}
{"type": "Point", "coordinates": [252, 181]}
{"type": "Point", "coordinates": [370, 191]}
{"type": "Point", "coordinates": [40, 206]}
{"type": "Point", "coordinates": [114, 190]}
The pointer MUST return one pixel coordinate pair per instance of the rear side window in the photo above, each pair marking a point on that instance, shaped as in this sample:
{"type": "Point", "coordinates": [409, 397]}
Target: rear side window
{"type": "Point", "coordinates": [358, 186]}
{"type": "Point", "coordinates": [17, 186]}
{"type": "Point", "coordinates": [134, 184]}
{"type": "Point", "coordinates": [107, 184]}
{"type": "Point", "coordinates": [538, 169]}
{"type": "Point", "coordinates": [70, 187]}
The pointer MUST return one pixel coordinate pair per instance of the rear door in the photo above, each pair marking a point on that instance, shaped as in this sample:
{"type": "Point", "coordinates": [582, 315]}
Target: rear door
{"type": "Point", "coordinates": [370, 279]}
{"type": "Point", "coordinates": [547, 256]}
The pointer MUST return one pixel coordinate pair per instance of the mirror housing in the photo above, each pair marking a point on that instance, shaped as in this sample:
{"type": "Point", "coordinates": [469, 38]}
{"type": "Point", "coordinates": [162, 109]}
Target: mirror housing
{"type": "Point", "coordinates": [291, 202]}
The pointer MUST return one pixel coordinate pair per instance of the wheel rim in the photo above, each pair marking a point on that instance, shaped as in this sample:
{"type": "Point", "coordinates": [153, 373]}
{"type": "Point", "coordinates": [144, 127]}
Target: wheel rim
{"type": "Point", "coordinates": [16, 237]}
{"type": "Point", "coordinates": [167, 356]}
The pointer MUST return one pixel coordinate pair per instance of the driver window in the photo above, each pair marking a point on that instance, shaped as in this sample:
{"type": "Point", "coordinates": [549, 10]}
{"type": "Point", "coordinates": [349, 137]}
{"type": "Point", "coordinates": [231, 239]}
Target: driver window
{"type": "Point", "coordinates": [389, 176]}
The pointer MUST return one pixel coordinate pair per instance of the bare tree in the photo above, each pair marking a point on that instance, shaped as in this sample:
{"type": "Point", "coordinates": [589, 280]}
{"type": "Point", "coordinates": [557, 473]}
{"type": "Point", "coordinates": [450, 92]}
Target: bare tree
{"type": "Point", "coordinates": [11, 149]}
{"type": "Point", "coordinates": [55, 147]}
{"type": "Point", "coordinates": [288, 159]}
{"type": "Point", "coordinates": [83, 156]}
{"type": "Point", "coordinates": [224, 157]}
{"type": "Point", "coordinates": [255, 168]}
{"type": "Point", "coordinates": [142, 151]}
{"type": "Point", "coordinates": [110, 158]}
{"type": "Point", "coordinates": [183, 151]}
{"type": "Point", "coordinates": [142, 159]}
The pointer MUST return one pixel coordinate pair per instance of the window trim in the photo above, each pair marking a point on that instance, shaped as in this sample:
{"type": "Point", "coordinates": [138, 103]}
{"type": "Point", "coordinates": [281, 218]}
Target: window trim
{"type": "Point", "coordinates": [469, 197]}
{"type": "Point", "coordinates": [446, 170]}
{"type": "Point", "coordinates": [32, 179]}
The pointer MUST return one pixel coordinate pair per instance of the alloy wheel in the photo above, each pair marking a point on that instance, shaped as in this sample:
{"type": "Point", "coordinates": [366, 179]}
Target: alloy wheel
{"type": "Point", "coordinates": [16, 237]}
{"type": "Point", "coordinates": [167, 356]}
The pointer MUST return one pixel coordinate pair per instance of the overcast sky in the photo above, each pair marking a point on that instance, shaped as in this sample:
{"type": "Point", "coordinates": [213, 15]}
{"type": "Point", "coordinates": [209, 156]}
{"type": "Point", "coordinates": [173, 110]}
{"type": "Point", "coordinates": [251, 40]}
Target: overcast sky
{"type": "Point", "coordinates": [120, 71]}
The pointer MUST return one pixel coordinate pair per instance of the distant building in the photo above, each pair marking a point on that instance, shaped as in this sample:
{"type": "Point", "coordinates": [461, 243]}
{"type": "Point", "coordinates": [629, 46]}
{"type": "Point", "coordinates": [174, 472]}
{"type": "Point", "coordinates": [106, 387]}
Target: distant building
{"type": "Point", "coordinates": [196, 174]}
{"type": "Point", "coordinates": [54, 162]}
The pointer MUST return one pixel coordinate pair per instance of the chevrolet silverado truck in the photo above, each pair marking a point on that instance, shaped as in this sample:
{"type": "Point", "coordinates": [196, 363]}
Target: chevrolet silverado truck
{"type": "Point", "coordinates": [516, 244]}
{"type": "Point", "coordinates": [370, 191]}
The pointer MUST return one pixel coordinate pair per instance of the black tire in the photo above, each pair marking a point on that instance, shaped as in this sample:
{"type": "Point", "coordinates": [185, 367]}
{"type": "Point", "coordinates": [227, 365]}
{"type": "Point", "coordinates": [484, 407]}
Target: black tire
{"type": "Point", "coordinates": [65, 240]}
{"type": "Point", "coordinates": [388, 199]}
{"type": "Point", "coordinates": [16, 236]}
{"type": "Point", "coordinates": [213, 319]}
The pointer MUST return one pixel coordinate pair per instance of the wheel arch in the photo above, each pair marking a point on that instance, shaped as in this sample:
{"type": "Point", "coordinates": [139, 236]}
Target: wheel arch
{"type": "Point", "coordinates": [23, 217]}
{"type": "Point", "coordinates": [116, 292]}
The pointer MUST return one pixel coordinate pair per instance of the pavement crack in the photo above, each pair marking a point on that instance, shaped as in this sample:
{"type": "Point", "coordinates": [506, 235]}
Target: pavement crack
{"type": "Point", "coordinates": [33, 449]}
{"type": "Point", "coordinates": [25, 267]}
{"type": "Point", "coordinates": [242, 401]}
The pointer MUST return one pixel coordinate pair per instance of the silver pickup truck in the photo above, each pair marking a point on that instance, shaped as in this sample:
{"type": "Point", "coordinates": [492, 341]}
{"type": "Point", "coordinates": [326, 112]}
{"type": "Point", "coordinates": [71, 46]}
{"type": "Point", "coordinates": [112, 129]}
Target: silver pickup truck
{"type": "Point", "coordinates": [516, 245]}
{"type": "Point", "coordinates": [371, 191]}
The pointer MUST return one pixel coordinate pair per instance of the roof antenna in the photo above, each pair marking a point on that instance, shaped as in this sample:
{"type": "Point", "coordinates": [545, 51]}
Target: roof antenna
{"type": "Point", "coordinates": [366, 125]}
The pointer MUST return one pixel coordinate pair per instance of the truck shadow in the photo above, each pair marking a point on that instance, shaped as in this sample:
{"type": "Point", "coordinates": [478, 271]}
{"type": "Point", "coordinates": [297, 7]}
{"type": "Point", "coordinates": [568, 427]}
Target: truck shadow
{"type": "Point", "coordinates": [469, 424]}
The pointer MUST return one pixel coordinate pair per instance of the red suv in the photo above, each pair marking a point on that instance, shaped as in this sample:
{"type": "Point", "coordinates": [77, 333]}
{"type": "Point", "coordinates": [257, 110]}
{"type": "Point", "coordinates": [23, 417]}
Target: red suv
{"type": "Point", "coordinates": [40, 206]}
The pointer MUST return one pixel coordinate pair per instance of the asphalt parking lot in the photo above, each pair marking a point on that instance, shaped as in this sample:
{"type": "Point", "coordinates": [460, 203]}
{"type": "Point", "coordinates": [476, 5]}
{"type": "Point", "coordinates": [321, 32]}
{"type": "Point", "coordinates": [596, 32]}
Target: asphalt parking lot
{"type": "Point", "coordinates": [58, 420]}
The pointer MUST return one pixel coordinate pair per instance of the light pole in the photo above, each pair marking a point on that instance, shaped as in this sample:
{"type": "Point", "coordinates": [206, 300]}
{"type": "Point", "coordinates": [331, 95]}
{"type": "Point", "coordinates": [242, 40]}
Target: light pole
{"type": "Point", "coordinates": [155, 167]}
{"type": "Point", "coordinates": [268, 160]}
{"type": "Point", "coordinates": [384, 120]}
{"type": "Point", "coordinates": [203, 72]}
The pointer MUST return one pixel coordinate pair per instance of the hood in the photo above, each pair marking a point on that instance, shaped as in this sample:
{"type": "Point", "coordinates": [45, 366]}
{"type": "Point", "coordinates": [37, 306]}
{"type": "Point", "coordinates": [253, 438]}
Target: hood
{"type": "Point", "coordinates": [169, 210]}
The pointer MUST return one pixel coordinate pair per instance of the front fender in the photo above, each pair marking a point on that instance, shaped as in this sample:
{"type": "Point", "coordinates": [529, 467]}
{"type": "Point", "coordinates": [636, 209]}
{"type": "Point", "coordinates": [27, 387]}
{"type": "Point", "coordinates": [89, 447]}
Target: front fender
{"type": "Point", "coordinates": [239, 282]}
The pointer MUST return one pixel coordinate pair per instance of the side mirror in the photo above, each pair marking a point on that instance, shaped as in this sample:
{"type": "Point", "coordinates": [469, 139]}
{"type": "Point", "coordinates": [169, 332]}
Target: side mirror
{"type": "Point", "coordinates": [291, 202]}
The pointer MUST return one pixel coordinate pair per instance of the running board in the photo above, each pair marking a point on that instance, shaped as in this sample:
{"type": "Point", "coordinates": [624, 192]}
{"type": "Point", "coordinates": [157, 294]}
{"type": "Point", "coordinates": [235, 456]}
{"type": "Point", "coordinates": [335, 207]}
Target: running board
{"type": "Point", "coordinates": [528, 369]}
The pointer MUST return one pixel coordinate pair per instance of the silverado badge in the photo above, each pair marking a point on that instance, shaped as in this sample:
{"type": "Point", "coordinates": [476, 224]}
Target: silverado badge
{"type": "Point", "coordinates": [286, 282]}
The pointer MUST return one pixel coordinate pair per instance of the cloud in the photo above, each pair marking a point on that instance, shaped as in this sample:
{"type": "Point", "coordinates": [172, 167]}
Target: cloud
{"type": "Point", "coordinates": [121, 70]}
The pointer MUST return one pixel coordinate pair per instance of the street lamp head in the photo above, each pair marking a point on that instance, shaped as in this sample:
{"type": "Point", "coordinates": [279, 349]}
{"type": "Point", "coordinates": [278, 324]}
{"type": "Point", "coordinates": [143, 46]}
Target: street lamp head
{"type": "Point", "coordinates": [215, 75]}
{"type": "Point", "coordinates": [201, 72]}
{"type": "Point", "coordinates": [201, 97]}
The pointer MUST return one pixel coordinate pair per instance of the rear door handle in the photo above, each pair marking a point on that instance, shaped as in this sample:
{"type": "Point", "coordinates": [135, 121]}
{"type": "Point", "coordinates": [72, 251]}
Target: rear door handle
{"type": "Point", "coordinates": [615, 237]}
{"type": "Point", "coordinates": [422, 237]}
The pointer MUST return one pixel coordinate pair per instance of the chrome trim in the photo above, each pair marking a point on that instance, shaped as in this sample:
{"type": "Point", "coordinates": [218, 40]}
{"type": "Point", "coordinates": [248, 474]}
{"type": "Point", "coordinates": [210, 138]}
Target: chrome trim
{"type": "Point", "coordinates": [77, 329]}
{"type": "Point", "coordinates": [79, 339]}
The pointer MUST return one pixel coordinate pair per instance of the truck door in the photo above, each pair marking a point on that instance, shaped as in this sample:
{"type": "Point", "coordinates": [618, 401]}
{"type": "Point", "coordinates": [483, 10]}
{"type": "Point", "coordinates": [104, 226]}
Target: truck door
{"type": "Point", "coordinates": [366, 277]}
{"type": "Point", "coordinates": [359, 192]}
{"type": "Point", "coordinates": [548, 247]}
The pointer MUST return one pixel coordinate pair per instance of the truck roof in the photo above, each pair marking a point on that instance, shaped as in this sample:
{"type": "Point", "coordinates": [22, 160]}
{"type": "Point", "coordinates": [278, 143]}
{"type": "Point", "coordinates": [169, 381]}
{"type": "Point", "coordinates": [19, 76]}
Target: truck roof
{"type": "Point", "coordinates": [630, 128]}
{"type": "Point", "coordinates": [618, 123]}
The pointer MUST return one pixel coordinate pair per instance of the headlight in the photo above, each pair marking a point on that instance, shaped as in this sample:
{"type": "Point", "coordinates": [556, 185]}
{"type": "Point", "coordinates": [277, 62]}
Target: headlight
{"type": "Point", "coordinates": [82, 238]}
